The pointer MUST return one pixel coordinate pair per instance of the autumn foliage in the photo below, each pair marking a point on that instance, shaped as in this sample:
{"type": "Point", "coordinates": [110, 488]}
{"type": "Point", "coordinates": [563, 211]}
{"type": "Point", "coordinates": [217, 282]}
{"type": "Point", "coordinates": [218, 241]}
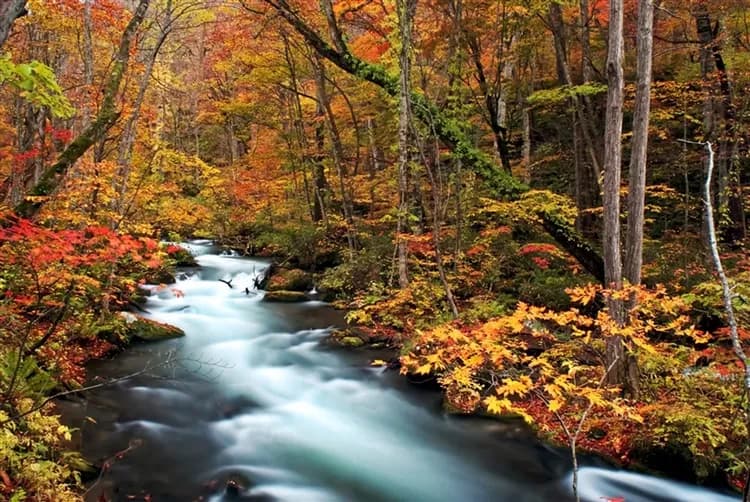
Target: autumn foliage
{"type": "Point", "coordinates": [233, 121]}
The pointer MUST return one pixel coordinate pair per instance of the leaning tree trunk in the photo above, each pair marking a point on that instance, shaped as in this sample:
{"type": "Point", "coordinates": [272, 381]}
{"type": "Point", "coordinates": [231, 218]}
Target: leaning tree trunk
{"type": "Point", "coordinates": [727, 296]}
{"type": "Point", "coordinates": [587, 172]}
{"type": "Point", "coordinates": [337, 150]}
{"type": "Point", "coordinates": [96, 131]}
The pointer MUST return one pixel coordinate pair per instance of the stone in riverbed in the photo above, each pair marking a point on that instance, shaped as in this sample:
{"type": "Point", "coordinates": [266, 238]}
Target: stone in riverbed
{"type": "Point", "coordinates": [182, 258]}
{"type": "Point", "coordinates": [284, 296]}
{"type": "Point", "coordinates": [148, 330]}
{"type": "Point", "coordinates": [348, 337]}
{"type": "Point", "coordinates": [294, 279]}
{"type": "Point", "coordinates": [160, 276]}
{"type": "Point", "coordinates": [351, 341]}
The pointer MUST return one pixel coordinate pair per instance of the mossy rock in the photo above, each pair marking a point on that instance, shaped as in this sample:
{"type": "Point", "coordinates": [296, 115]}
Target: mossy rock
{"type": "Point", "coordinates": [151, 331]}
{"type": "Point", "coordinates": [290, 280]}
{"type": "Point", "coordinates": [160, 276]}
{"type": "Point", "coordinates": [285, 296]}
{"type": "Point", "coordinates": [346, 338]}
{"type": "Point", "coordinates": [351, 341]}
{"type": "Point", "coordinates": [183, 258]}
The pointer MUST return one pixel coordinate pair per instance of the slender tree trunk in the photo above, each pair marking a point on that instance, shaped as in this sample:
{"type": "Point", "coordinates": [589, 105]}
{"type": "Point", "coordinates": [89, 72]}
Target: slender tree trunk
{"type": "Point", "coordinates": [564, 77]}
{"type": "Point", "coordinates": [336, 149]}
{"type": "Point", "coordinates": [526, 124]}
{"type": "Point", "coordinates": [319, 174]}
{"type": "Point", "coordinates": [374, 163]}
{"type": "Point", "coordinates": [615, 347]}
{"type": "Point", "coordinates": [492, 102]}
{"type": "Point", "coordinates": [406, 10]}
{"type": "Point", "coordinates": [88, 61]}
{"type": "Point", "coordinates": [637, 173]}
{"type": "Point", "coordinates": [587, 62]}
{"type": "Point", "coordinates": [315, 201]}
{"type": "Point", "coordinates": [333, 27]}
{"type": "Point", "coordinates": [727, 296]}
{"type": "Point", "coordinates": [436, 187]}
{"type": "Point", "coordinates": [588, 182]}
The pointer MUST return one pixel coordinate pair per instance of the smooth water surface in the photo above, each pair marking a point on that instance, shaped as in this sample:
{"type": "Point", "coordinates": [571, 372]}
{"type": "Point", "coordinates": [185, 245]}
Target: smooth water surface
{"type": "Point", "coordinates": [251, 397]}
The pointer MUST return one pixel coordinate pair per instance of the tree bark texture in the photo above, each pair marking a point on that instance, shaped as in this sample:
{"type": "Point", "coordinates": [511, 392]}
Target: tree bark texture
{"type": "Point", "coordinates": [10, 10]}
{"type": "Point", "coordinates": [622, 368]}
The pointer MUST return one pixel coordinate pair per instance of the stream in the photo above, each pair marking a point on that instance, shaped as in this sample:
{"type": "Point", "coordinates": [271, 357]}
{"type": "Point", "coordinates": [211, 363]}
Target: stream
{"type": "Point", "coordinates": [251, 406]}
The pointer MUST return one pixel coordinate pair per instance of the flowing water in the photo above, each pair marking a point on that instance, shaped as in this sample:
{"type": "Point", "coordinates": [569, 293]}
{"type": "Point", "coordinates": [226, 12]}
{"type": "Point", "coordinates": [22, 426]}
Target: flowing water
{"type": "Point", "coordinates": [251, 399]}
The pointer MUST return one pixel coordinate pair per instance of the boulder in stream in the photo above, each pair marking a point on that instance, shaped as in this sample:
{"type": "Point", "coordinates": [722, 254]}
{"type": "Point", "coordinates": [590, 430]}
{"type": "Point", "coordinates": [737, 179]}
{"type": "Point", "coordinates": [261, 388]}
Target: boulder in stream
{"type": "Point", "coordinates": [293, 279]}
{"type": "Point", "coordinates": [160, 276]}
{"type": "Point", "coordinates": [151, 331]}
{"type": "Point", "coordinates": [283, 296]}
{"type": "Point", "coordinates": [182, 257]}
{"type": "Point", "coordinates": [349, 337]}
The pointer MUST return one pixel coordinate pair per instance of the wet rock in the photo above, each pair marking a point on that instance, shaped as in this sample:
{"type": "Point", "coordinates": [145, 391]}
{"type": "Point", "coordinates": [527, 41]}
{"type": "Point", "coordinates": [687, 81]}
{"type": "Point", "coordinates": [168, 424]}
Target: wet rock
{"type": "Point", "coordinates": [597, 433]}
{"type": "Point", "coordinates": [285, 296]}
{"type": "Point", "coordinates": [290, 280]}
{"type": "Point", "coordinates": [349, 337]}
{"type": "Point", "coordinates": [145, 329]}
{"type": "Point", "coordinates": [183, 258]}
{"type": "Point", "coordinates": [233, 488]}
{"type": "Point", "coordinates": [351, 341]}
{"type": "Point", "coordinates": [161, 276]}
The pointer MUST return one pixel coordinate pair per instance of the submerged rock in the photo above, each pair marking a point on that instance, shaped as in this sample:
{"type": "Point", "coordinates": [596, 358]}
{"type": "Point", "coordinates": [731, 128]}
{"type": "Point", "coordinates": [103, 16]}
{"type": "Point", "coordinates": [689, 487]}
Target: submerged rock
{"type": "Point", "coordinates": [145, 329]}
{"type": "Point", "coordinates": [284, 296]}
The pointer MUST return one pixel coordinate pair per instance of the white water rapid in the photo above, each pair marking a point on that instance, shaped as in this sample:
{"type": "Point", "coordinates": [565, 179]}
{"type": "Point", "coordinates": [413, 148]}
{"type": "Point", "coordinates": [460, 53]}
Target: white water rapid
{"type": "Point", "coordinates": [256, 409]}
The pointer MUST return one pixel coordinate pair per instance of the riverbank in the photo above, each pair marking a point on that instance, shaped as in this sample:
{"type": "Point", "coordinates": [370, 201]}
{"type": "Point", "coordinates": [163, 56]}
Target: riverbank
{"type": "Point", "coordinates": [63, 293]}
